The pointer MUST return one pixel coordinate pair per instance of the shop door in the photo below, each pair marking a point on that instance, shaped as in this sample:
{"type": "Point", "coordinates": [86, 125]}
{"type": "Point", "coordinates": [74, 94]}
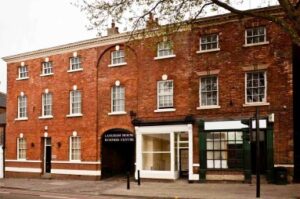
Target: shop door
{"type": "Point", "coordinates": [48, 154]}
{"type": "Point", "coordinates": [184, 160]}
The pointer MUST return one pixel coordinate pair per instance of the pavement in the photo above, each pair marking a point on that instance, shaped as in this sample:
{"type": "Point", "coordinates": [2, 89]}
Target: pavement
{"type": "Point", "coordinates": [179, 189]}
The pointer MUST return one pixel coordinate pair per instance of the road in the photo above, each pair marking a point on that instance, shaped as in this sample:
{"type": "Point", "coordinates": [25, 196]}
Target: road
{"type": "Point", "coordinates": [24, 194]}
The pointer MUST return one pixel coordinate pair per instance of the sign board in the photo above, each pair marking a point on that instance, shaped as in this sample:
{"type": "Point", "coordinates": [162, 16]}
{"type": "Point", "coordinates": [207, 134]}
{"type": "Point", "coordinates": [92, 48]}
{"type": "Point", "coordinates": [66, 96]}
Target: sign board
{"type": "Point", "coordinates": [118, 137]}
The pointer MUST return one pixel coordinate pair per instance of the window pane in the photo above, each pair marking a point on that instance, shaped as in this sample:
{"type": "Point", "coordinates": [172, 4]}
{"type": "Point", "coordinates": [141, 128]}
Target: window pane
{"type": "Point", "coordinates": [156, 142]}
{"type": "Point", "coordinates": [157, 161]}
{"type": "Point", "coordinates": [255, 87]}
{"type": "Point", "coordinates": [208, 42]}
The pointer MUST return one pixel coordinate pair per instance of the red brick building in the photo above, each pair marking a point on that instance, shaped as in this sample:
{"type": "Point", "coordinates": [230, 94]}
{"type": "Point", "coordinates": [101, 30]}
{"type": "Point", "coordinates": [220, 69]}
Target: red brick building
{"type": "Point", "coordinates": [166, 106]}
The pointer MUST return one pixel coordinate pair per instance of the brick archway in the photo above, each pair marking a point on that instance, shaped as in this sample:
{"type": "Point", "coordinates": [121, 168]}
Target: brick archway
{"type": "Point", "coordinates": [117, 152]}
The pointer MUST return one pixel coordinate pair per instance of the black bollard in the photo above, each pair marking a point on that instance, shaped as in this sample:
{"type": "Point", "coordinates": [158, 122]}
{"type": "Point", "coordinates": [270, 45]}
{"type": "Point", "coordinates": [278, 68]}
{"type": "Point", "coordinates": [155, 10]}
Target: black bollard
{"type": "Point", "coordinates": [128, 180]}
{"type": "Point", "coordinates": [139, 178]}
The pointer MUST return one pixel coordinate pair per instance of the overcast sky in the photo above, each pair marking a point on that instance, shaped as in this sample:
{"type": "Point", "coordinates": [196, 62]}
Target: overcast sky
{"type": "Point", "coordinates": [27, 25]}
{"type": "Point", "coordinates": [34, 24]}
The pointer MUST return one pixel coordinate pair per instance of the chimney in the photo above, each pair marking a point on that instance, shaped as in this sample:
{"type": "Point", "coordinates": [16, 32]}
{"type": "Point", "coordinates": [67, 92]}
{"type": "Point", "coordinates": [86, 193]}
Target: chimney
{"type": "Point", "coordinates": [152, 23]}
{"type": "Point", "coordinates": [113, 30]}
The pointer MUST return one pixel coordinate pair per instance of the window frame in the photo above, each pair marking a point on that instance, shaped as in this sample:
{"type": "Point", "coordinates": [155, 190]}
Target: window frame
{"type": "Point", "coordinates": [257, 43]}
{"type": "Point", "coordinates": [77, 149]}
{"type": "Point", "coordinates": [22, 72]}
{"type": "Point", "coordinates": [264, 102]}
{"type": "Point", "coordinates": [22, 97]}
{"type": "Point", "coordinates": [43, 104]}
{"type": "Point", "coordinates": [112, 58]}
{"type": "Point", "coordinates": [71, 113]}
{"type": "Point", "coordinates": [164, 49]}
{"type": "Point", "coordinates": [200, 93]}
{"type": "Point", "coordinates": [122, 90]}
{"type": "Point", "coordinates": [19, 148]}
{"type": "Point", "coordinates": [207, 43]}
{"type": "Point", "coordinates": [226, 141]}
{"type": "Point", "coordinates": [158, 95]}
{"type": "Point", "coordinates": [71, 69]}
{"type": "Point", "coordinates": [49, 67]}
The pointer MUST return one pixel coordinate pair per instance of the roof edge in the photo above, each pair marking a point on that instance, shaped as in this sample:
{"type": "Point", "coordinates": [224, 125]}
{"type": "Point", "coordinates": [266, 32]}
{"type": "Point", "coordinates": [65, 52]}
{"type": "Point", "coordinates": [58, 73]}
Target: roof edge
{"type": "Point", "coordinates": [117, 38]}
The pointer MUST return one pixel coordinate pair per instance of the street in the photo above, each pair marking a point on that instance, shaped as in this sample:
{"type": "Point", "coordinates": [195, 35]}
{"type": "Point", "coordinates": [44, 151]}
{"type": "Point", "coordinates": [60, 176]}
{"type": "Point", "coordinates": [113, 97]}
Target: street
{"type": "Point", "coordinates": [24, 194]}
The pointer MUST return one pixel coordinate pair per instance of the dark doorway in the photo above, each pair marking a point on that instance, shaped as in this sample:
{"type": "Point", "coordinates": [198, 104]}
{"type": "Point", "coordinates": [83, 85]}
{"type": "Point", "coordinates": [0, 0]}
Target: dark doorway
{"type": "Point", "coordinates": [48, 154]}
{"type": "Point", "coordinates": [263, 152]}
{"type": "Point", "coordinates": [118, 147]}
{"type": "Point", "coordinates": [184, 162]}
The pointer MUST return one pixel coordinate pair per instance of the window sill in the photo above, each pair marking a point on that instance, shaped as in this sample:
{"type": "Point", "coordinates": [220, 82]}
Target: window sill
{"type": "Point", "coordinates": [208, 51]}
{"type": "Point", "coordinates": [23, 78]}
{"type": "Point", "coordinates": [77, 70]}
{"type": "Point", "coordinates": [118, 113]}
{"type": "Point", "coordinates": [165, 110]}
{"type": "Point", "coordinates": [75, 161]}
{"type": "Point", "coordinates": [256, 44]}
{"type": "Point", "coordinates": [44, 75]}
{"type": "Point", "coordinates": [21, 119]}
{"type": "Point", "coordinates": [75, 115]}
{"type": "Point", "coordinates": [207, 107]}
{"type": "Point", "coordinates": [115, 65]}
{"type": "Point", "coordinates": [257, 104]}
{"type": "Point", "coordinates": [164, 57]}
{"type": "Point", "coordinates": [46, 117]}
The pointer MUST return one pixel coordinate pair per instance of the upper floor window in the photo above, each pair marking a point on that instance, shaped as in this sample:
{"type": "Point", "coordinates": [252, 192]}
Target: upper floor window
{"type": "Point", "coordinates": [209, 42]}
{"type": "Point", "coordinates": [75, 63]}
{"type": "Point", "coordinates": [118, 99]}
{"type": "Point", "coordinates": [256, 87]}
{"type": "Point", "coordinates": [47, 68]}
{"type": "Point", "coordinates": [208, 91]}
{"type": "Point", "coordinates": [23, 72]}
{"type": "Point", "coordinates": [256, 35]}
{"type": "Point", "coordinates": [165, 94]}
{"type": "Point", "coordinates": [21, 150]}
{"type": "Point", "coordinates": [22, 106]}
{"type": "Point", "coordinates": [47, 104]}
{"type": "Point", "coordinates": [118, 57]}
{"type": "Point", "coordinates": [75, 148]}
{"type": "Point", "coordinates": [164, 49]}
{"type": "Point", "coordinates": [75, 102]}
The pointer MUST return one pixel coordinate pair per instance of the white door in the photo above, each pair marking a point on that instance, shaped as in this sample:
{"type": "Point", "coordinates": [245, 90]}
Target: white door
{"type": "Point", "coordinates": [1, 162]}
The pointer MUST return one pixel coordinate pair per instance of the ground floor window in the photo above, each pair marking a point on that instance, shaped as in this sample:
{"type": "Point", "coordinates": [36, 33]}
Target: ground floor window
{"type": "Point", "coordinates": [21, 148]}
{"type": "Point", "coordinates": [156, 153]}
{"type": "Point", "coordinates": [224, 150]}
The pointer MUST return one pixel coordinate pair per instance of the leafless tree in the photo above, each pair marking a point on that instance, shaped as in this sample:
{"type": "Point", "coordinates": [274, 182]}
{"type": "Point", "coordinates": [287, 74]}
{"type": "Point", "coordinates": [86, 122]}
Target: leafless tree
{"type": "Point", "coordinates": [133, 13]}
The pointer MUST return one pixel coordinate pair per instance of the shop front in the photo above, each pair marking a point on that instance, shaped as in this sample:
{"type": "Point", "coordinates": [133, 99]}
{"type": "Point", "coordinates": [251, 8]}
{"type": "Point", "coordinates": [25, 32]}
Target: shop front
{"type": "Point", "coordinates": [165, 151]}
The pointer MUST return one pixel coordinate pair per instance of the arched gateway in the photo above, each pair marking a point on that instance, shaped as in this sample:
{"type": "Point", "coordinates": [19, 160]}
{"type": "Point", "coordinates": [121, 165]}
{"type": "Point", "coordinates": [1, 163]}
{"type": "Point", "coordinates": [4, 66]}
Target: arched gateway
{"type": "Point", "coordinates": [117, 152]}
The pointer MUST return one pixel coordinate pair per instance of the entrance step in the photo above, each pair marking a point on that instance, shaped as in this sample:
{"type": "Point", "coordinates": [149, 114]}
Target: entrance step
{"type": "Point", "coordinates": [263, 179]}
{"type": "Point", "coordinates": [46, 176]}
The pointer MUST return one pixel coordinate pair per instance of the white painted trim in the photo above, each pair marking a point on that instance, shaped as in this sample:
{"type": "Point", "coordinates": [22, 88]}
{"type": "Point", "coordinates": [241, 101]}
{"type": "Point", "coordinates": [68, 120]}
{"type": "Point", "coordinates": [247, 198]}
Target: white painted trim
{"type": "Point", "coordinates": [256, 44]}
{"type": "Point", "coordinates": [165, 57]}
{"type": "Point", "coordinates": [265, 103]}
{"type": "Point", "coordinates": [21, 119]}
{"type": "Point", "coordinates": [284, 165]}
{"type": "Point", "coordinates": [73, 162]}
{"type": "Point", "coordinates": [115, 65]}
{"type": "Point", "coordinates": [46, 117]}
{"type": "Point", "coordinates": [75, 115]}
{"type": "Point", "coordinates": [45, 75]}
{"type": "Point", "coordinates": [208, 51]}
{"type": "Point", "coordinates": [22, 160]}
{"type": "Point", "coordinates": [76, 172]}
{"type": "Point", "coordinates": [23, 169]}
{"type": "Point", "coordinates": [196, 165]}
{"type": "Point", "coordinates": [256, 104]}
{"type": "Point", "coordinates": [23, 78]}
{"type": "Point", "coordinates": [165, 110]}
{"type": "Point", "coordinates": [118, 113]}
{"type": "Point", "coordinates": [208, 107]}
{"type": "Point", "coordinates": [200, 95]}
{"type": "Point", "coordinates": [76, 70]}
{"type": "Point", "coordinates": [238, 177]}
